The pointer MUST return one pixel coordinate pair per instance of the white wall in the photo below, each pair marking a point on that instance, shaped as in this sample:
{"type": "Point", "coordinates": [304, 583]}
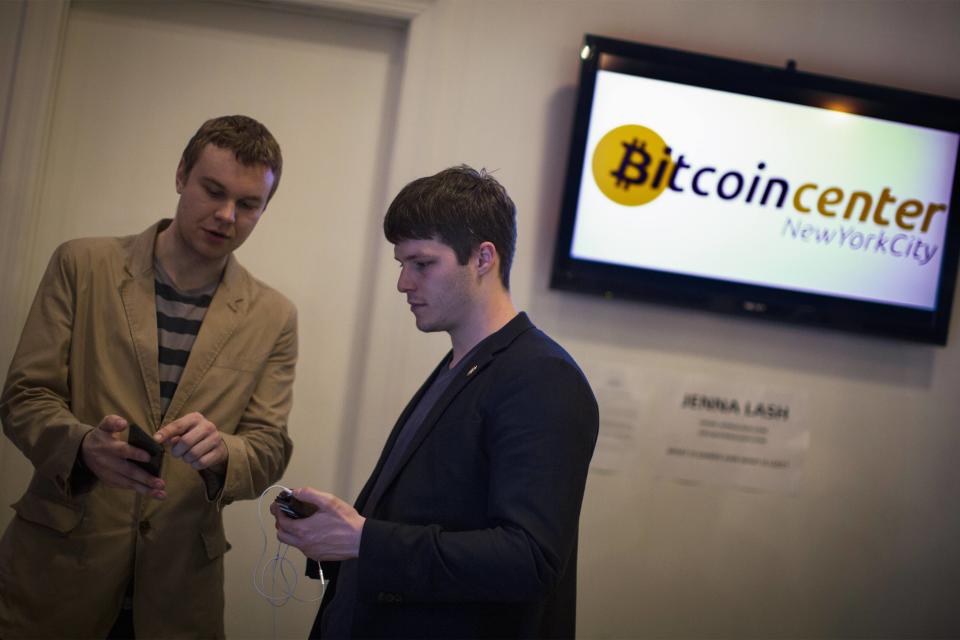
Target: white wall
{"type": "Point", "coordinates": [866, 547]}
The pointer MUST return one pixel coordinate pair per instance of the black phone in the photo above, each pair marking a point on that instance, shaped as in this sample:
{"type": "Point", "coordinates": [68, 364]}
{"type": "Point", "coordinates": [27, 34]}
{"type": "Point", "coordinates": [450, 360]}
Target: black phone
{"type": "Point", "coordinates": [139, 439]}
{"type": "Point", "coordinates": [294, 508]}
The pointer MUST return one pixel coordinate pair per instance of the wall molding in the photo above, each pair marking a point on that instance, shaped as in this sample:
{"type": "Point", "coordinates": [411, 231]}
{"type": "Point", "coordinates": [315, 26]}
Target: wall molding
{"type": "Point", "coordinates": [395, 11]}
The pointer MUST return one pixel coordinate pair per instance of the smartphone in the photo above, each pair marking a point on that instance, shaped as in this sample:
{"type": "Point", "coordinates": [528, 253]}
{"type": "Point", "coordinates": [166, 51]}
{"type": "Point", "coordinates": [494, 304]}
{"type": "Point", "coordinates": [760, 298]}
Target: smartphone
{"type": "Point", "coordinates": [139, 439]}
{"type": "Point", "coordinates": [294, 508]}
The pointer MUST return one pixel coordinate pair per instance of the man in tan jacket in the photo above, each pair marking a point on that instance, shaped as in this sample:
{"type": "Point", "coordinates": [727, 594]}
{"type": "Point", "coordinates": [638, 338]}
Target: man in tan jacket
{"type": "Point", "coordinates": [166, 330]}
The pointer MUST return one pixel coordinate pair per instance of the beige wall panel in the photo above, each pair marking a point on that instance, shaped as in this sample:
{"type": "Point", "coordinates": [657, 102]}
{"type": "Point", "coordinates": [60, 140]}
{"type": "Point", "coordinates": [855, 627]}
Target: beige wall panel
{"type": "Point", "coordinates": [137, 79]}
{"type": "Point", "coordinates": [866, 547]}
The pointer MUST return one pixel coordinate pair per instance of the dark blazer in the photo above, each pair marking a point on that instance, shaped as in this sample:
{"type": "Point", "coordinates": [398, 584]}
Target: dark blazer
{"type": "Point", "coordinates": [476, 533]}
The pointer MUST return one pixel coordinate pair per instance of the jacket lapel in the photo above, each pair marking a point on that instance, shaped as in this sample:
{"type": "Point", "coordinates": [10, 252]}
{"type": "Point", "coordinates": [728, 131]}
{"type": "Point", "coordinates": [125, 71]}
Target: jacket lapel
{"type": "Point", "coordinates": [364, 495]}
{"type": "Point", "coordinates": [227, 308]}
{"type": "Point", "coordinates": [140, 306]}
{"type": "Point", "coordinates": [473, 366]}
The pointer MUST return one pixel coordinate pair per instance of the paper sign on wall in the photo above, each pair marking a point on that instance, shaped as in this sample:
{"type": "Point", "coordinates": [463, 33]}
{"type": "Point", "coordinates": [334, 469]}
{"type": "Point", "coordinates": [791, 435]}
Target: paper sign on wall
{"type": "Point", "coordinates": [620, 397]}
{"type": "Point", "coordinates": [751, 437]}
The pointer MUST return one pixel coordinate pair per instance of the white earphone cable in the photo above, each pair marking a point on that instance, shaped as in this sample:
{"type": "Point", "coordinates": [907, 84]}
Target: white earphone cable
{"type": "Point", "coordinates": [279, 568]}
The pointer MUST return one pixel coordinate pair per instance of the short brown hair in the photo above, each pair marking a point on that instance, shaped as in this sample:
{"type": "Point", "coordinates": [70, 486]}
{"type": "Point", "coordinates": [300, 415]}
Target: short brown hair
{"type": "Point", "coordinates": [251, 142]}
{"type": "Point", "coordinates": [461, 207]}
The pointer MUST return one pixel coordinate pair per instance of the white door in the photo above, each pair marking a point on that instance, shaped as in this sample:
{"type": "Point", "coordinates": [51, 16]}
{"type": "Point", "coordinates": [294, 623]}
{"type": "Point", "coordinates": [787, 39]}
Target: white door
{"type": "Point", "coordinates": [137, 79]}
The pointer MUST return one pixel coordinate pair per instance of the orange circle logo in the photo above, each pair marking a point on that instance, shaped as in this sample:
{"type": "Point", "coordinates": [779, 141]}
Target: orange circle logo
{"type": "Point", "coordinates": [624, 167]}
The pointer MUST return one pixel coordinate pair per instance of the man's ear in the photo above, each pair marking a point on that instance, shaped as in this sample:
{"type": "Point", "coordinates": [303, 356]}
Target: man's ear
{"type": "Point", "coordinates": [181, 177]}
{"type": "Point", "coordinates": [487, 258]}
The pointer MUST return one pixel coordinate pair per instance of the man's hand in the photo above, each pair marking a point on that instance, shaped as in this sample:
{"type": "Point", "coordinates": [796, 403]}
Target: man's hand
{"type": "Point", "coordinates": [332, 533]}
{"type": "Point", "coordinates": [196, 440]}
{"type": "Point", "coordinates": [108, 457]}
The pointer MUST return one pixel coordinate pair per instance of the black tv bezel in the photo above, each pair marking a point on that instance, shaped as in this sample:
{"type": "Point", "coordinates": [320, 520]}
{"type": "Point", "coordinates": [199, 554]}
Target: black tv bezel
{"type": "Point", "coordinates": [722, 296]}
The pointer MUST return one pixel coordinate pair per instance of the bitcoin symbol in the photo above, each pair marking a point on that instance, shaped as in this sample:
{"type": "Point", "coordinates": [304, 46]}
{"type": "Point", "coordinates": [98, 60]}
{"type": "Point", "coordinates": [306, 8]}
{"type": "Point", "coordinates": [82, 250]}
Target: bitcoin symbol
{"type": "Point", "coordinates": [622, 165]}
{"type": "Point", "coordinates": [627, 162]}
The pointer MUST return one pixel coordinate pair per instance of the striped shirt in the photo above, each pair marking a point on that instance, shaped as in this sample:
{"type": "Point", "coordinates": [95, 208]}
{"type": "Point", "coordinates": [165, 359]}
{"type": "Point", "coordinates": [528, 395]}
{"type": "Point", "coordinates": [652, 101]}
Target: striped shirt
{"type": "Point", "coordinates": [179, 315]}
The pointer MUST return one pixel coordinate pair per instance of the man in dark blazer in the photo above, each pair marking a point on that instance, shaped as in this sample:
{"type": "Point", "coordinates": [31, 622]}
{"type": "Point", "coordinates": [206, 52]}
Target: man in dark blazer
{"type": "Point", "coordinates": [467, 527]}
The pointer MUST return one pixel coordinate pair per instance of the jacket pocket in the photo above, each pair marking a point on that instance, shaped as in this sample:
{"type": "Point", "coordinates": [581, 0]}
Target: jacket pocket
{"type": "Point", "coordinates": [59, 516]}
{"type": "Point", "coordinates": [214, 540]}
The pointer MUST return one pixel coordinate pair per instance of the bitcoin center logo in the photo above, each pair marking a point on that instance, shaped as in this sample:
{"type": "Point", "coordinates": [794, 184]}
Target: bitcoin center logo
{"type": "Point", "coordinates": [623, 167]}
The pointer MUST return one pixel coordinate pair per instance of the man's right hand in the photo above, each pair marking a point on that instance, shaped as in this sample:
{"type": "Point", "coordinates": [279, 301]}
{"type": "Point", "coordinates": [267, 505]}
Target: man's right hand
{"type": "Point", "coordinates": [108, 457]}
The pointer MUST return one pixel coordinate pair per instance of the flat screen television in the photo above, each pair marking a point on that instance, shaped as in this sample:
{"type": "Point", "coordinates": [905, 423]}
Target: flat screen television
{"type": "Point", "coordinates": [748, 189]}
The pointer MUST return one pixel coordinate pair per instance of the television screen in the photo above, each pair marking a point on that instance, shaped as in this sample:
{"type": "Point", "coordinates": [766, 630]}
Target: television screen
{"type": "Point", "coordinates": [748, 189]}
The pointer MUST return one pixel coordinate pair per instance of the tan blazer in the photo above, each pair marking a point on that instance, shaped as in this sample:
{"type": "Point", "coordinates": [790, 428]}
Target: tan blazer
{"type": "Point", "coordinates": [89, 349]}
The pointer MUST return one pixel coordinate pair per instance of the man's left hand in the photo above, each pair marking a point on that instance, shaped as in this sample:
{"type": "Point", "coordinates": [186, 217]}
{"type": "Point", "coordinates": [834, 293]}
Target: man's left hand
{"type": "Point", "coordinates": [196, 440]}
{"type": "Point", "coordinates": [331, 533]}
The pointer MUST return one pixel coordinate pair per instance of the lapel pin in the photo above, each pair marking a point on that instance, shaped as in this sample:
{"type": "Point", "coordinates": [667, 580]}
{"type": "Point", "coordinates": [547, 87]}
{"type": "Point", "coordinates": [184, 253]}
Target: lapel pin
{"type": "Point", "coordinates": [472, 369]}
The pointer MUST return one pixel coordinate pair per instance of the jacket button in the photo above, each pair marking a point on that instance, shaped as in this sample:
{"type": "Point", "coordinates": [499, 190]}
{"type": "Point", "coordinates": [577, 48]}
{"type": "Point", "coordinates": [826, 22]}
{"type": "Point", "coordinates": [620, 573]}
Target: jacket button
{"type": "Point", "coordinates": [144, 527]}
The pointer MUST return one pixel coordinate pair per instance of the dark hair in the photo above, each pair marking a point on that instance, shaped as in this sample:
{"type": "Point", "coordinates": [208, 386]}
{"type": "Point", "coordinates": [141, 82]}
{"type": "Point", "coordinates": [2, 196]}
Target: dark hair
{"type": "Point", "coordinates": [250, 141]}
{"type": "Point", "coordinates": [461, 207]}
